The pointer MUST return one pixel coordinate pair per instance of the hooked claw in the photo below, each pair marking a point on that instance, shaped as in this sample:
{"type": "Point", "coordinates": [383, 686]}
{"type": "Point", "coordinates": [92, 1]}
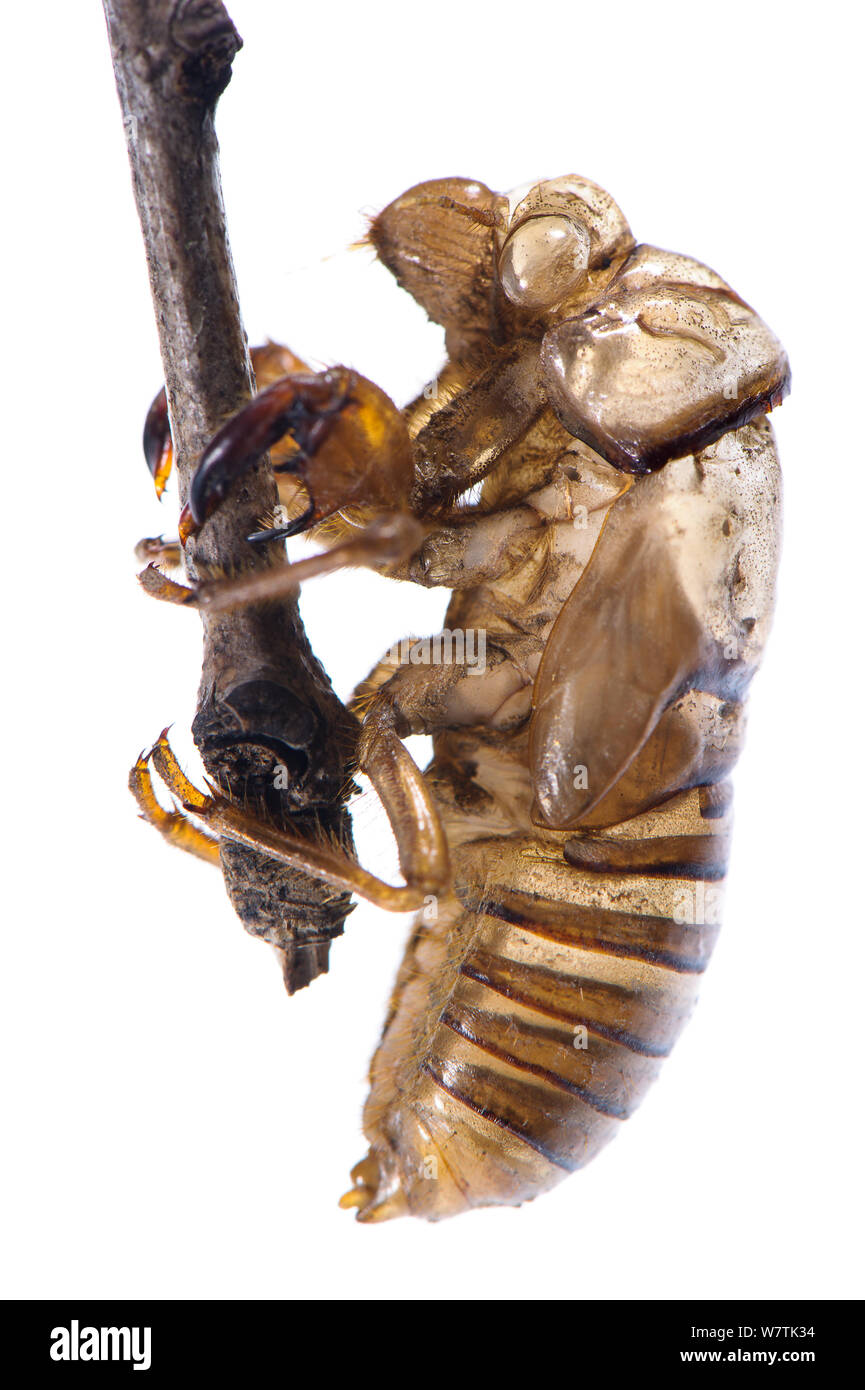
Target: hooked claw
{"type": "Point", "coordinates": [351, 446]}
{"type": "Point", "coordinates": [270, 362]}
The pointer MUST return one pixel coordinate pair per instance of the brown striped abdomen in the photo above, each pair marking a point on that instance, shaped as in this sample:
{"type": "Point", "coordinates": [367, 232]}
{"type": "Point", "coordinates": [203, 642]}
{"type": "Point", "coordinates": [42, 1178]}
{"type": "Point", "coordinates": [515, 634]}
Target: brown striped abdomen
{"type": "Point", "coordinates": [530, 1017]}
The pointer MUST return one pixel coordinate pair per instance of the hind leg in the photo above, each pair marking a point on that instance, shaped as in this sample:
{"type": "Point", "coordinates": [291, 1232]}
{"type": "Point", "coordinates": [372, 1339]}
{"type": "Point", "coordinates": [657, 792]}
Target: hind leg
{"type": "Point", "coordinates": [381, 755]}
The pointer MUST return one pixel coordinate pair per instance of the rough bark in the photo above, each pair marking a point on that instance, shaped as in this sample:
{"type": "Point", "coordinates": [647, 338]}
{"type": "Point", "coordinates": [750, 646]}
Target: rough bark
{"type": "Point", "coordinates": [264, 701]}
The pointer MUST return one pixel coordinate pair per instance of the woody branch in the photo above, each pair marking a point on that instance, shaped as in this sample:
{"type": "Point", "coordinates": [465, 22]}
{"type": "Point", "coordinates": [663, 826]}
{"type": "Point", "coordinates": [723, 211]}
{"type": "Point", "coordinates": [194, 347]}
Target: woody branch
{"type": "Point", "coordinates": [172, 60]}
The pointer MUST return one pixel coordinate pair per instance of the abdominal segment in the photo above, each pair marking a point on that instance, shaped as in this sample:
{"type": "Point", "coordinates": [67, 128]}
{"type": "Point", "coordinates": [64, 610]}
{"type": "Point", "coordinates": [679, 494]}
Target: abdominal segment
{"type": "Point", "coordinates": [534, 1010]}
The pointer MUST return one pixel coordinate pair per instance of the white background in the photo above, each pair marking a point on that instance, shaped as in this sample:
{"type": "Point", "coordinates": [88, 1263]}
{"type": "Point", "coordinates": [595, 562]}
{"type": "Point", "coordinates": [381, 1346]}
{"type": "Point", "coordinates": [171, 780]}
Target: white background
{"type": "Point", "coordinates": [174, 1125]}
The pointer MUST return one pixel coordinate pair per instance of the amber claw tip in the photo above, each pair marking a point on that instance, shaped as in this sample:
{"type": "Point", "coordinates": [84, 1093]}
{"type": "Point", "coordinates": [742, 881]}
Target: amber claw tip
{"type": "Point", "coordinates": [163, 472]}
{"type": "Point", "coordinates": [187, 525]}
{"type": "Point", "coordinates": [160, 742]}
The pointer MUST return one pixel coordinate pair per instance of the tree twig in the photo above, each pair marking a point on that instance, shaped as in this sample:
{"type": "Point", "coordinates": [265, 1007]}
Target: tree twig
{"type": "Point", "coordinates": [172, 60]}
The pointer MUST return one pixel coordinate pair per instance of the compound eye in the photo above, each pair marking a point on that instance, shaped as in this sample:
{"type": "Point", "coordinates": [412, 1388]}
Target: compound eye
{"type": "Point", "coordinates": [543, 260]}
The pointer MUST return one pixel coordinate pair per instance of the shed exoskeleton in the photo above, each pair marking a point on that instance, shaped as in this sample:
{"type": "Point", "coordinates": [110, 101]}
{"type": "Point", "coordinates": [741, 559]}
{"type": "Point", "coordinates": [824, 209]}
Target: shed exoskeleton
{"type": "Point", "coordinates": [596, 481]}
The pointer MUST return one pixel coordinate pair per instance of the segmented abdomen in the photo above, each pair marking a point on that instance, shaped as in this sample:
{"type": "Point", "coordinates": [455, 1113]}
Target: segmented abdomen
{"type": "Point", "coordinates": [531, 1016]}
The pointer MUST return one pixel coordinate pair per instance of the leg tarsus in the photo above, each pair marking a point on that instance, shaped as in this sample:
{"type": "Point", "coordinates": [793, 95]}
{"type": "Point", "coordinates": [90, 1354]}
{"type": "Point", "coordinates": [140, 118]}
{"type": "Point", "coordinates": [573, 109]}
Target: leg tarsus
{"type": "Point", "coordinates": [388, 540]}
{"type": "Point", "coordinates": [158, 585]}
{"type": "Point", "coordinates": [175, 778]}
{"type": "Point", "coordinates": [158, 550]}
{"type": "Point", "coordinates": [174, 826]}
